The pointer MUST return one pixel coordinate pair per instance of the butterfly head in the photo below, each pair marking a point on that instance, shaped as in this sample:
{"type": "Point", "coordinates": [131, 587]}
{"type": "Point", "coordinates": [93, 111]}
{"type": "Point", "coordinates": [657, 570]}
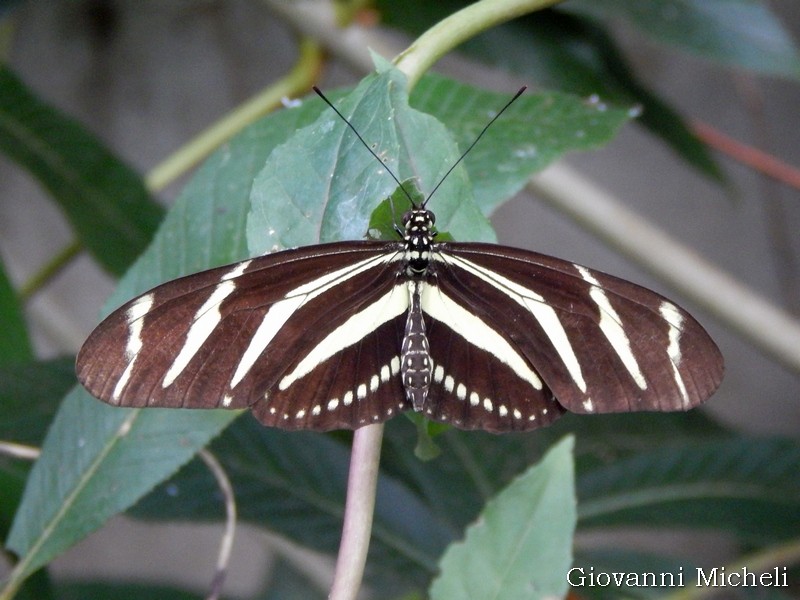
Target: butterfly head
{"type": "Point", "coordinates": [418, 239]}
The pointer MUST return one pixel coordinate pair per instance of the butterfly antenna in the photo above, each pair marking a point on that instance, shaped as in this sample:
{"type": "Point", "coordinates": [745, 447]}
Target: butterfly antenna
{"type": "Point", "coordinates": [472, 145]}
{"type": "Point", "coordinates": [361, 139]}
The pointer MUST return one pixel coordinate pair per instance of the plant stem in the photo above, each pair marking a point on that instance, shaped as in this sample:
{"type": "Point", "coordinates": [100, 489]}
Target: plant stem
{"type": "Point", "coordinates": [298, 79]}
{"type": "Point", "coordinates": [359, 507]}
{"type": "Point", "coordinates": [459, 27]}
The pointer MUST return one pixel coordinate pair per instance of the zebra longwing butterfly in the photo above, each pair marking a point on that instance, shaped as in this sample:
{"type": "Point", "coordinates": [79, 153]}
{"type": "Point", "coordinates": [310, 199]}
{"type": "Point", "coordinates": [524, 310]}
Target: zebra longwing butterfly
{"type": "Point", "coordinates": [341, 335]}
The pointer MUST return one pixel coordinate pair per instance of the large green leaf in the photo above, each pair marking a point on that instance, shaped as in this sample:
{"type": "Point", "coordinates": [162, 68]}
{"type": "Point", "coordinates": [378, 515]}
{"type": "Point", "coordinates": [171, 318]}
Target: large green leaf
{"type": "Point", "coordinates": [740, 33]}
{"type": "Point", "coordinates": [521, 546]}
{"type": "Point", "coordinates": [98, 460]}
{"type": "Point", "coordinates": [15, 345]}
{"type": "Point", "coordinates": [323, 185]}
{"type": "Point", "coordinates": [473, 466]}
{"type": "Point", "coordinates": [105, 201]}
{"type": "Point", "coordinates": [745, 486]}
{"type": "Point", "coordinates": [537, 129]}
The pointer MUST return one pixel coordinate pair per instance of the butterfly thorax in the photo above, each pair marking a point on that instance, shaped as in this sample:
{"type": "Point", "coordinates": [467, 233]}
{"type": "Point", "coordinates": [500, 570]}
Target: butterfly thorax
{"type": "Point", "coordinates": [418, 241]}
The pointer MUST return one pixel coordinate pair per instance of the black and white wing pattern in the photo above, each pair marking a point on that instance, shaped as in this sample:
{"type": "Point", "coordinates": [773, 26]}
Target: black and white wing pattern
{"type": "Point", "coordinates": [337, 336]}
{"type": "Point", "coordinates": [342, 335]}
{"type": "Point", "coordinates": [303, 337]}
{"type": "Point", "coordinates": [545, 335]}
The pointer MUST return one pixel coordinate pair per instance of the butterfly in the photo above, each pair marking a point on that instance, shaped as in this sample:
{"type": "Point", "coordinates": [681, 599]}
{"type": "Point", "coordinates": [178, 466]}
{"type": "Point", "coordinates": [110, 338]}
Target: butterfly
{"type": "Point", "coordinates": [345, 334]}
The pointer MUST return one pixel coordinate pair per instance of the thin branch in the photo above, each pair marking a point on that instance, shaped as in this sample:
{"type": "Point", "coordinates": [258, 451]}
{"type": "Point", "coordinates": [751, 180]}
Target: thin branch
{"type": "Point", "coordinates": [226, 542]}
{"type": "Point", "coordinates": [361, 485]}
{"type": "Point", "coordinates": [752, 316]}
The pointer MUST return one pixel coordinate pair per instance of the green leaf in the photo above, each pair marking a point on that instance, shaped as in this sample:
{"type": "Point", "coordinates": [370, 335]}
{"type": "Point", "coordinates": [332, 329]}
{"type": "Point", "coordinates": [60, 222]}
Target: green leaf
{"type": "Point", "coordinates": [473, 466]}
{"type": "Point", "coordinates": [15, 345]}
{"type": "Point", "coordinates": [29, 397]}
{"type": "Point", "coordinates": [294, 483]}
{"type": "Point", "coordinates": [535, 130]}
{"type": "Point", "coordinates": [323, 185]}
{"type": "Point", "coordinates": [98, 460]}
{"type": "Point", "coordinates": [105, 201]}
{"type": "Point", "coordinates": [740, 33]}
{"type": "Point", "coordinates": [745, 486]}
{"type": "Point", "coordinates": [521, 546]}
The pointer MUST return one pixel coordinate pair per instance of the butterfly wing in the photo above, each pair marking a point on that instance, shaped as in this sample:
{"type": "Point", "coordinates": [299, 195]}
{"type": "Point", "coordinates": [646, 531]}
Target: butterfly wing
{"type": "Point", "coordinates": [286, 334]}
{"type": "Point", "coordinates": [598, 343]}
